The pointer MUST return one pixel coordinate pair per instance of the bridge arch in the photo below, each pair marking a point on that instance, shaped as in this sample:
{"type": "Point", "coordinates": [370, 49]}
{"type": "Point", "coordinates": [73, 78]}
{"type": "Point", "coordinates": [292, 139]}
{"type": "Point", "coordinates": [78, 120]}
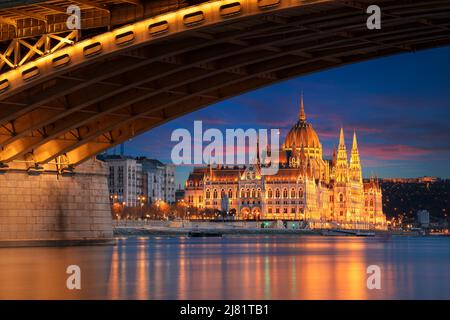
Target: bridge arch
{"type": "Point", "coordinates": [86, 98]}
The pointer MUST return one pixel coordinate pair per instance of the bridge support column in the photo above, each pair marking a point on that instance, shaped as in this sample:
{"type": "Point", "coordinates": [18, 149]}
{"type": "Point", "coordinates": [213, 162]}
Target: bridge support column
{"type": "Point", "coordinates": [47, 208]}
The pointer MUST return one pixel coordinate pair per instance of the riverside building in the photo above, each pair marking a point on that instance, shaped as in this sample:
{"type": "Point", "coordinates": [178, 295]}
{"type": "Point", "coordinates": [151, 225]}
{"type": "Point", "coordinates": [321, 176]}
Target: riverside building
{"type": "Point", "coordinates": [322, 193]}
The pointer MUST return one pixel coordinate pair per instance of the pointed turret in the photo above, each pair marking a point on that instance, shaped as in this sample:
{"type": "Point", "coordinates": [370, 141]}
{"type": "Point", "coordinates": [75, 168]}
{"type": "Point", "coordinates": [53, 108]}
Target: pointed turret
{"type": "Point", "coordinates": [302, 115]}
{"type": "Point", "coordinates": [355, 143]}
{"type": "Point", "coordinates": [355, 163]}
{"type": "Point", "coordinates": [341, 137]}
{"type": "Point", "coordinates": [342, 162]}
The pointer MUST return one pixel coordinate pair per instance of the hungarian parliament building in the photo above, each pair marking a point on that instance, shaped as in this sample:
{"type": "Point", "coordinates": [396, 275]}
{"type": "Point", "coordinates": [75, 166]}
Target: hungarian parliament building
{"type": "Point", "coordinates": [320, 192]}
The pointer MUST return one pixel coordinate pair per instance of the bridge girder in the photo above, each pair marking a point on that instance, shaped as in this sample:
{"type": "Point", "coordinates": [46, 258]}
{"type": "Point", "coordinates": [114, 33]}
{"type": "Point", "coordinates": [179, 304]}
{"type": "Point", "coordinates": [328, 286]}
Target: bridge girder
{"type": "Point", "coordinates": [95, 102]}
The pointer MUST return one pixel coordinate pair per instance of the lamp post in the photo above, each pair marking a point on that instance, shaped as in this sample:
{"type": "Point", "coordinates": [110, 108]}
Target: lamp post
{"type": "Point", "coordinates": [141, 199]}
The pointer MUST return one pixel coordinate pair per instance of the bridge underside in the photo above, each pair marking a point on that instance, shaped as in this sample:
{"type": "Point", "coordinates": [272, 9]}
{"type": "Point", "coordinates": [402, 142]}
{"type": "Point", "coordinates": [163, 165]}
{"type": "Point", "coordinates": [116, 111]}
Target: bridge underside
{"type": "Point", "coordinates": [79, 110]}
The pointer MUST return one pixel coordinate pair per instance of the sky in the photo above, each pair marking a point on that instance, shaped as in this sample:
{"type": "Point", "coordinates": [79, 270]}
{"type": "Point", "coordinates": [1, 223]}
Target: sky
{"type": "Point", "coordinates": [398, 105]}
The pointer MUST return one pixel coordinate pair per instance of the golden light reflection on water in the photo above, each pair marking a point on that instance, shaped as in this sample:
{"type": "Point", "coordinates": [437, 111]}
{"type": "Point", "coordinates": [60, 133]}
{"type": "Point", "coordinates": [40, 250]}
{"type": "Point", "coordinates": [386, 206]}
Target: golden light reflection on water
{"type": "Point", "coordinates": [113, 283]}
{"type": "Point", "coordinates": [142, 271]}
{"type": "Point", "coordinates": [228, 268]}
{"type": "Point", "coordinates": [40, 273]}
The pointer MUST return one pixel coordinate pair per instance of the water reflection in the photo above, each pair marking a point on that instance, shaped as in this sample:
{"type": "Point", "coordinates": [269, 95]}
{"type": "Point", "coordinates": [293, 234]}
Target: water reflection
{"type": "Point", "coordinates": [254, 267]}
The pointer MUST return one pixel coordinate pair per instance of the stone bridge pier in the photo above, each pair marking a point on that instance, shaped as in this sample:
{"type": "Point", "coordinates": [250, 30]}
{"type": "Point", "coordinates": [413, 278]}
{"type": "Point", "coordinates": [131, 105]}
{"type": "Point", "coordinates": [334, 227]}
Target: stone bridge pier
{"type": "Point", "coordinates": [42, 207]}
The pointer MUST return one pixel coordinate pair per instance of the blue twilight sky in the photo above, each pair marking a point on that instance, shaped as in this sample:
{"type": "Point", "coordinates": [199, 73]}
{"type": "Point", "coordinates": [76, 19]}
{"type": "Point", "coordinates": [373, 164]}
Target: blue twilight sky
{"type": "Point", "coordinates": [399, 107]}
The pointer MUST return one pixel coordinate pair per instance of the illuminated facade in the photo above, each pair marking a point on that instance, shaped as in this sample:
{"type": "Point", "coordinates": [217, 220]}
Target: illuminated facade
{"type": "Point", "coordinates": [323, 193]}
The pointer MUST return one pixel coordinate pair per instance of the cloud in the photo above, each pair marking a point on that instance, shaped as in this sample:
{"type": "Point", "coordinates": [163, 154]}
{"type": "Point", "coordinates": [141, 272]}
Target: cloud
{"type": "Point", "coordinates": [398, 152]}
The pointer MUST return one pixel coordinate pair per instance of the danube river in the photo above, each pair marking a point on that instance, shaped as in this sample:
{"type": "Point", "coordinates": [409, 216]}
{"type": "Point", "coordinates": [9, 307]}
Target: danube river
{"type": "Point", "coordinates": [233, 267]}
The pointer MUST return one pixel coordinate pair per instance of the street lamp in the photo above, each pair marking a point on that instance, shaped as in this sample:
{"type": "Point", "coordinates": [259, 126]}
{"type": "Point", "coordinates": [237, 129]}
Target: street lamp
{"type": "Point", "coordinates": [141, 199]}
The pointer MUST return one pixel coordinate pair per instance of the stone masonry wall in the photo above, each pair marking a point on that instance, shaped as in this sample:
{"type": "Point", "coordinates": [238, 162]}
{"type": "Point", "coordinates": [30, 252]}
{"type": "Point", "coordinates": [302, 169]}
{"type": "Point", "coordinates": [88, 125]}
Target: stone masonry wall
{"type": "Point", "coordinates": [52, 207]}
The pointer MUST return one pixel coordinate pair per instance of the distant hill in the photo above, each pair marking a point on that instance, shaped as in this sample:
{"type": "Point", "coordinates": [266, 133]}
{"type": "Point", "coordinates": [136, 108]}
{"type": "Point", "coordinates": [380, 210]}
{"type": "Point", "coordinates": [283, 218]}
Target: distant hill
{"type": "Point", "coordinates": [407, 198]}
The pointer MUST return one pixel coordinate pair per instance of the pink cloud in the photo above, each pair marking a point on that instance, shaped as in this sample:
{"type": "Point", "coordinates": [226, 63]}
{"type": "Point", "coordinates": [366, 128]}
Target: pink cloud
{"type": "Point", "coordinates": [393, 152]}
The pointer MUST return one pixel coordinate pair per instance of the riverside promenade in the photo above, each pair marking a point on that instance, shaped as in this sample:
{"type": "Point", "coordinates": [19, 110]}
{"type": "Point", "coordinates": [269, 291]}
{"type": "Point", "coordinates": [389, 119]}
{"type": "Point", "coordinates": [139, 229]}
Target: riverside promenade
{"type": "Point", "coordinates": [184, 228]}
{"type": "Point", "coordinates": [176, 228]}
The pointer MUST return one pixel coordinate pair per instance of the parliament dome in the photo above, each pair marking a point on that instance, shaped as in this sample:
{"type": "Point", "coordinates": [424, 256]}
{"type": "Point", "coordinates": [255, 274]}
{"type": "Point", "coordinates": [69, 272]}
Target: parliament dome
{"type": "Point", "coordinates": [302, 134]}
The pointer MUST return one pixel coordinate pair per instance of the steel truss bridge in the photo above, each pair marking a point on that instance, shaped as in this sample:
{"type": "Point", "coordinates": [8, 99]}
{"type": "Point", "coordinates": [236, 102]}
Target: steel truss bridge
{"type": "Point", "coordinates": [67, 95]}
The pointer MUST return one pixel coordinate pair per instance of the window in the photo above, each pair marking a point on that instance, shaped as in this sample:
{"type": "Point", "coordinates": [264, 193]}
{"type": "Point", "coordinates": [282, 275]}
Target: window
{"type": "Point", "coordinates": [258, 193]}
{"type": "Point", "coordinates": [269, 210]}
{"type": "Point", "coordinates": [371, 202]}
{"type": "Point", "coordinates": [269, 193]}
{"type": "Point", "coordinates": [253, 193]}
{"type": "Point", "coordinates": [292, 210]}
{"type": "Point", "coordinates": [208, 194]}
{"type": "Point", "coordinates": [300, 193]}
{"type": "Point", "coordinates": [242, 193]}
{"type": "Point", "coordinates": [285, 193]}
{"type": "Point", "coordinates": [247, 193]}
{"type": "Point", "coordinates": [293, 193]}
{"type": "Point", "coordinates": [215, 194]}
{"type": "Point", "coordinates": [341, 197]}
{"type": "Point", "coordinates": [284, 210]}
{"type": "Point", "coordinates": [277, 193]}
{"type": "Point", "coordinates": [222, 193]}
{"type": "Point", "coordinates": [230, 193]}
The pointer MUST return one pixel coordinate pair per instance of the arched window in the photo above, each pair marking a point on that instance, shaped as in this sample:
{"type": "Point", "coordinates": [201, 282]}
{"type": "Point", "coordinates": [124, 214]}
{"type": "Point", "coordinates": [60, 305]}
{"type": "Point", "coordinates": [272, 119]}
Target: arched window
{"type": "Point", "coordinates": [341, 197]}
{"type": "Point", "coordinates": [285, 193]}
{"type": "Point", "coordinates": [215, 194]}
{"type": "Point", "coordinates": [253, 193]}
{"type": "Point", "coordinates": [300, 193]}
{"type": "Point", "coordinates": [222, 193]}
{"type": "Point", "coordinates": [191, 183]}
{"type": "Point", "coordinates": [247, 193]}
{"type": "Point", "coordinates": [292, 193]}
{"type": "Point", "coordinates": [269, 193]}
{"type": "Point", "coordinates": [242, 193]}
{"type": "Point", "coordinates": [230, 193]}
{"type": "Point", "coordinates": [208, 194]}
{"type": "Point", "coordinates": [277, 193]}
{"type": "Point", "coordinates": [258, 193]}
{"type": "Point", "coordinates": [371, 202]}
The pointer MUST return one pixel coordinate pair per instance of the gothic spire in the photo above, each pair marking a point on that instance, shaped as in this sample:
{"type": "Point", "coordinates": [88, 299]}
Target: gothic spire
{"type": "Point", "coordinates": [341, 161]}
{"type": "Point", "coordinates": [355, 163]}
{"type": "Point", "coordinates": [355, 142]}
{"type": "Point", "coordinates": [341, 137]}
{"type": "Point", "coordinates": [302, 115]}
